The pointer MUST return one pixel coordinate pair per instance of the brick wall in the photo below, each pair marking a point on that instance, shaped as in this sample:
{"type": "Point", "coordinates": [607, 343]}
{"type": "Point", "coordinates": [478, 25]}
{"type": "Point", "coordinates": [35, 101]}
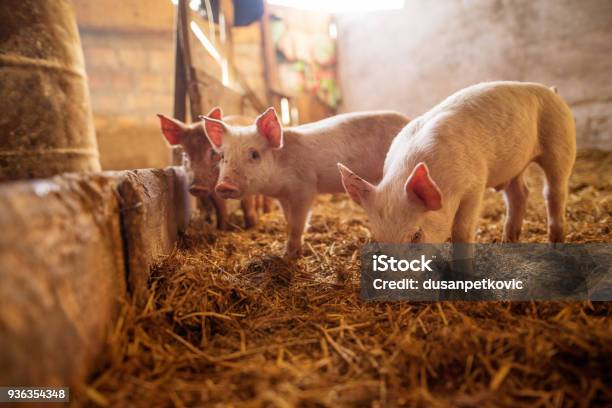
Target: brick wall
{"type": "Point", "coordinates": [129, 74]}
{"type": "Point", "coordinates": [128, 50]}
{"type": "Point", "coordinates": [129, 57]}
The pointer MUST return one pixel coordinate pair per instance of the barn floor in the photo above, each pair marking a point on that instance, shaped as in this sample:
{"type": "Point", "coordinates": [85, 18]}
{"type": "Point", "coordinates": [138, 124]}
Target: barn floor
{"type": "Point", "coordinates": [227, 324]}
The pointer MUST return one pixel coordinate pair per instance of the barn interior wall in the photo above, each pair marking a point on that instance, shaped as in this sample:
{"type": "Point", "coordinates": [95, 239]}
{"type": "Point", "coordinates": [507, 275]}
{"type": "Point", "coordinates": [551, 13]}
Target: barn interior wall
{"type": "Point", "coordinates": [411, 59]}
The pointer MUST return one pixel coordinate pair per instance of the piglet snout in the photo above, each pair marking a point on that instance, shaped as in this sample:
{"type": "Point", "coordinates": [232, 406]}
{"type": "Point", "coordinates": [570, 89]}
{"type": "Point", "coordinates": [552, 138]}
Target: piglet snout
{"type": "Point", "coordinates": [199, 191]}
{"type": "Point", "coordinates": [226, 189]}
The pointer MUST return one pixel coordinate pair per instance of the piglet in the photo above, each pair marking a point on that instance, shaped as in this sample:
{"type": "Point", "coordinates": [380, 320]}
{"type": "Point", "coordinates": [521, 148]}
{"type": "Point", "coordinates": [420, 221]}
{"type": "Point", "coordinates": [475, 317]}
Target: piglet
{"type": "Point", "coordinates": [297, 163]}
{"type": "Point", "coordinates": [203, 165]}
{"type": "Point", "coordinates": [439, 166]}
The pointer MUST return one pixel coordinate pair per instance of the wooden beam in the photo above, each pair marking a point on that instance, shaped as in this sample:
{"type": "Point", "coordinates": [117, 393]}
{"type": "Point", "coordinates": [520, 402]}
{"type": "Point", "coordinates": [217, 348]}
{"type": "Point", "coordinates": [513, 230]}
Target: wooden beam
{"type": "Point", "coordinates": [192, 87]}
{"type": "Point", "coordinates": [249, 94]}
{"type": "Point", "coordinates": [219, 95]}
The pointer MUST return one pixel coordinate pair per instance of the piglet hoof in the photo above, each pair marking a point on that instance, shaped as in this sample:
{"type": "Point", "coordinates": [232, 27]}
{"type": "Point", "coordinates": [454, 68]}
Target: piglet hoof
{"type": "Point", "coordinates": [250, 221]}
{"type": "Point", "coordinates": [222, 225]}
{"type": "Point", "coordinates": [293, 253]}
{"type": "Point", "coordinates": [268, 205]}
{"type": "Point", "coordinates": [510, 238]}
{"type": "Point", "coordinates": [556, 234]}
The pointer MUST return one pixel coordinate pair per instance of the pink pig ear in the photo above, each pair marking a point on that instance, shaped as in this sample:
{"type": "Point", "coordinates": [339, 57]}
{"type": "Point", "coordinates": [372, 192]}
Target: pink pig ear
{"type": "Point", "coordinates": [421, 184]}
{"type": "Point", "coordinates": [356, 187]}
{"type": "Point", "coordinates": [171, 128]}
{"type": "Point", "coordinates": [270, 128]}
{"type": "Point", "coordinates": [215, 113]}
{"type": "Point", "coordinates": [214, 130]}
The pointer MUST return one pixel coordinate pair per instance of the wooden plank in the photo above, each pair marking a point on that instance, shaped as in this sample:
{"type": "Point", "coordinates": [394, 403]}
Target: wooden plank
{"type": "Point", "coordinates": [249, 94]}
{"type": "Point", "coordinates": [217, 94]}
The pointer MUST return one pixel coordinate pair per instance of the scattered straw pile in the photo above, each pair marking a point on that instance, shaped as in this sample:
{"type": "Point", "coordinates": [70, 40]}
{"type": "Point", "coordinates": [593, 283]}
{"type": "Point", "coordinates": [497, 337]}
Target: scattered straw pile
{"type": "Point", "coordinates": [228, 323]}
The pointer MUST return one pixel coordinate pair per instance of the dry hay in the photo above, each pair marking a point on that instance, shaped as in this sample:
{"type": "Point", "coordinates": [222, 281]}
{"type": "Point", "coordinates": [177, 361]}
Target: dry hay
{"type": "Point", "coordinates": [228, 323]}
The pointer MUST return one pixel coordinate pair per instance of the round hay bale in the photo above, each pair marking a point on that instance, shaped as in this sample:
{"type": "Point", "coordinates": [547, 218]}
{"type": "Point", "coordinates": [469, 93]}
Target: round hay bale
{"type": "Point", "coordinates": [46, 124]}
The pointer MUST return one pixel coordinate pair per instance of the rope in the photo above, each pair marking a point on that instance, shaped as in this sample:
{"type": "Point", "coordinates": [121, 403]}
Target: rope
{"type": "Point", "coordinates": [6, 59]}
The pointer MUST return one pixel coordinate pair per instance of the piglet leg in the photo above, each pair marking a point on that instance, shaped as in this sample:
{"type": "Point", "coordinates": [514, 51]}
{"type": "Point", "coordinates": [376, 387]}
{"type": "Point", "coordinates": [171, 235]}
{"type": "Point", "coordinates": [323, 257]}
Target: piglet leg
{"type": "Point", "coordinates": [466, 218]}
{"type": "Point", "coordinates": [221, 211]}
{"type": "Point", "coordinates": [268, 204]}
{"type": "Point", "coordinates": [515, 194]}
{"type": "Point", "coordinates": [258, 204]}
{"type": "Point", "coordinates": [464, 234]}
{"type": "Point", "coordinates": [555, 193]}
{"type": "Point", "coordinates": [296, 213]}
{"type": "Point", "coordinates": [249, 209]}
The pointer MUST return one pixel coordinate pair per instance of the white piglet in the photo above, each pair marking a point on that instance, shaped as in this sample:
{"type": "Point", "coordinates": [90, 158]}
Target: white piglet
{"type": "Point", "coordinates": [297, 163]}
{"type": "Point", "coordinates": [439, 166]}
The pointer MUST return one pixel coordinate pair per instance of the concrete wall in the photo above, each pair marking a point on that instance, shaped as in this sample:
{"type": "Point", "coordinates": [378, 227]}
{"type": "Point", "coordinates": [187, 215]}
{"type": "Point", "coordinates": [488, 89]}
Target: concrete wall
{"type": "Point", "coordinates": [411, 59]}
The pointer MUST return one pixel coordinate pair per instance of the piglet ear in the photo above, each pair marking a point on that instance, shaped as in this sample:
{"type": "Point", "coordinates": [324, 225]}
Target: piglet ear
{"type": "Point", "coordinates": [270, 128]}
{"type": "Point", "coordinates": [171, 128]}
{"type": "Point", "coordinates": [356, 187]}
{"type": "Point", "coordinates": [214, 130]}
{"type": "Point", "coordinates": [421, 184]}
{"type": "Point", "coordinates": [215, 113]}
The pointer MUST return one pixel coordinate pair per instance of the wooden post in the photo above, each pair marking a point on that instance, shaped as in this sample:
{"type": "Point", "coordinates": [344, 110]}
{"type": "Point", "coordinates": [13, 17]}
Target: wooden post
{"type": "Point", "coordinates": [269, 58]}
{"type": "Point", "coordinates": [180, 92]}
{"type": "Point", "coordinates": [185, 84]}
{"type": "Point", "coordinates": [180, 87]}
{"type": "Point", "coordinates": [193, 92]}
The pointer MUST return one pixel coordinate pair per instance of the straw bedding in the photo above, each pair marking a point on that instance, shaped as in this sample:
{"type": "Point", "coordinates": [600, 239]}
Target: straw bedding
{"type": "Point", "coordinates": [229, 323]}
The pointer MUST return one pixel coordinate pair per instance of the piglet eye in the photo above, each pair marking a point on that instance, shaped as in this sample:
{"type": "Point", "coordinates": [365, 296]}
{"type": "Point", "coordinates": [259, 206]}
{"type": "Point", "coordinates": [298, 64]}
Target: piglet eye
{"type": "Point", "coordinates": [417, 236]}
{"type": "Point", "coordinates": [253, 154]}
